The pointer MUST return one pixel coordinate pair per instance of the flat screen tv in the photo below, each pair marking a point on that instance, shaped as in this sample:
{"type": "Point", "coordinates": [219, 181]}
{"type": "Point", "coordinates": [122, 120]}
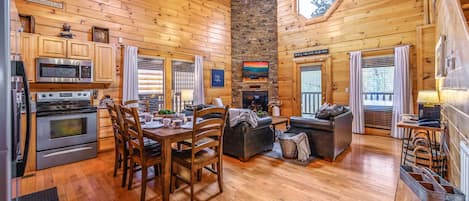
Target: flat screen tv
{"type": "Point", "coordinates": [255, 71]}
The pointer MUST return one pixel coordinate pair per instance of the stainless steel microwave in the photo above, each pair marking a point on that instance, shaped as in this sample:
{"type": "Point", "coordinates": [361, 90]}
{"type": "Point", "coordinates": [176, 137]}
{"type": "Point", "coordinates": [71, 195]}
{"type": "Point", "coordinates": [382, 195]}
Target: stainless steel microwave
{"type": "Point", "coordinates": [64, 70]}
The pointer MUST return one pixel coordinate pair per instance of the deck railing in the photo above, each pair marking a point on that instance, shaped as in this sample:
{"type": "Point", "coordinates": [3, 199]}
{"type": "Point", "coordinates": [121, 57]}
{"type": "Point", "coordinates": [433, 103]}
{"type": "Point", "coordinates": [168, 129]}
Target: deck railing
{"type": "Point", "coordinates": [378, 98]}
{"type": "Point", "coordinates": [310, 102]}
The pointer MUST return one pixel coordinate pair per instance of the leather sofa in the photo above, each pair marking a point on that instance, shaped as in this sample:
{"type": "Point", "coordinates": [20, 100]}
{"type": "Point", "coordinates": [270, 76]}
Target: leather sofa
{"type": "Point", "coordinates": [243, 141]}
{"type": "Point", "coordinates": [327, 138]}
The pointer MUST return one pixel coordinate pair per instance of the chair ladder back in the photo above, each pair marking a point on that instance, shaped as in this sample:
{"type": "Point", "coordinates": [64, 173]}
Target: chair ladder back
{"type": "Point", "coordinates": [133, 130]}
{"type": "Point", "coordinates": [209, 128]}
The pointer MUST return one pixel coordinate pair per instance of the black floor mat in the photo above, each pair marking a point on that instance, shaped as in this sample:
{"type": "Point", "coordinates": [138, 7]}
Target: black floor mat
{"type": "Point", "coordinates": [45, 195]}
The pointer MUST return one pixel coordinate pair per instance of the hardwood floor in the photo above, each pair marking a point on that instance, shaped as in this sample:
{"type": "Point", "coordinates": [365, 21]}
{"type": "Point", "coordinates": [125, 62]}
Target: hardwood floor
{"type": "Point", "coordinates": [367, 171]}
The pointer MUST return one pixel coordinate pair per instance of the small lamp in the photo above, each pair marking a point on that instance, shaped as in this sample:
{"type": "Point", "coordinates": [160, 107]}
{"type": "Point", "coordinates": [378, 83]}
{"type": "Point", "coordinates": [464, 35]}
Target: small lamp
{"type": "Point", "coordinates": [429, 106]}
{"type": "Point", "coordinates": [187, 95]}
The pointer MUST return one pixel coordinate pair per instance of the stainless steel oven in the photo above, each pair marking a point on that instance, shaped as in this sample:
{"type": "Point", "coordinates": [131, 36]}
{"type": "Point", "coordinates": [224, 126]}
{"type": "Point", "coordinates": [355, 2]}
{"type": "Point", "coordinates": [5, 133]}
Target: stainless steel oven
{"type": "Point", "coordinates": [66, 128]}
{"type": "Point", "coordinates": [63, 70]}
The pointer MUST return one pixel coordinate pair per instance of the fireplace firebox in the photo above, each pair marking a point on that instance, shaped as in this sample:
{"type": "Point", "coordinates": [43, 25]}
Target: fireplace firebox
{"type": "Point", "coordinates": [256, 100]}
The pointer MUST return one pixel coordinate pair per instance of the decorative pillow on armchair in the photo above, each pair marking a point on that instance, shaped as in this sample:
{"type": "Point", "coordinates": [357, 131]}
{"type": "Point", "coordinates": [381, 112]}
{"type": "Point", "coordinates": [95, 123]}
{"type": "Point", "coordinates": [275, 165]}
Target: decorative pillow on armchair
{"type": "Point", "coordinates": [323, 113]}
{"type": "Point", "coordinates": [327, 111]}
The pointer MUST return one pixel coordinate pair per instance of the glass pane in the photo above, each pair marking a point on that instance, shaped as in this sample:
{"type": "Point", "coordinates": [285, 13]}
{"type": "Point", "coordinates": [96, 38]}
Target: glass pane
{"type": "Point", "coordinates": [183, 84]}
{"type": "Point", "coordinates": [67, 127]}
{"type": "Point", "coordinates": [311, 96]}
{"type": "Point", "coordinates": [151, 83]}
{"type": "Point", "coordinates": [313, 8]}
{"type": "Point", "coordinates": [378, 86]}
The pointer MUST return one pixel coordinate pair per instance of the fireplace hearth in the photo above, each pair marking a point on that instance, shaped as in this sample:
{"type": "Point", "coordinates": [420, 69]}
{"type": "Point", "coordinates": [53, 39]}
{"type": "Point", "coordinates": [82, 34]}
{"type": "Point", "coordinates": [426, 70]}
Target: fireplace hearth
{"type": "Point", "coordinates": [256, 100]}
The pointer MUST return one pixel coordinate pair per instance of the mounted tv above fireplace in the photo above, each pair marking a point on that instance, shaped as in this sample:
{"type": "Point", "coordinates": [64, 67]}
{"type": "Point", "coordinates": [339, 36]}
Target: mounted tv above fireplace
{"type": "Point", "coordinates": [255, 71]}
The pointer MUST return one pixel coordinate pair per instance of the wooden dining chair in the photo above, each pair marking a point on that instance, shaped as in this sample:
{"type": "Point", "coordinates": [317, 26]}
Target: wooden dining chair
{"type": "Point", "coordinates": [205, 148]}
{"type": "Point", "coordinates": [143, 105]}
{"type": "Point", "coordinates": [120, 140]}
{"type": "Point", "coordinates": [138, 153]}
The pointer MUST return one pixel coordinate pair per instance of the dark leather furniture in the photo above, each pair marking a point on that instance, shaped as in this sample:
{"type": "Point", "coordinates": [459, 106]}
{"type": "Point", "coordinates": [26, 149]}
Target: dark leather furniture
{"type": "Point", "coordinates": [243, 141]}
{"type": "Point", "coordinates": [327, 138]}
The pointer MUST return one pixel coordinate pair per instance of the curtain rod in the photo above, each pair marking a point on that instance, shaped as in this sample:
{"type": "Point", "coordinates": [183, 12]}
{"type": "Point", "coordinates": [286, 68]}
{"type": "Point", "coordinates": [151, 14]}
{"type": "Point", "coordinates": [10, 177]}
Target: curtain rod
{"type": "Point", "coordinates": [168, 52]}
{"type": "Point", "coordinates": [382, 48]}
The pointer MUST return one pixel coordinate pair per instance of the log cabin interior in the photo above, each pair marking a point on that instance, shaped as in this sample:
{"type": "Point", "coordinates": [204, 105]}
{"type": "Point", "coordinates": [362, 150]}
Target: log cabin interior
{"type": "Point", "coordinates": [234, 100]}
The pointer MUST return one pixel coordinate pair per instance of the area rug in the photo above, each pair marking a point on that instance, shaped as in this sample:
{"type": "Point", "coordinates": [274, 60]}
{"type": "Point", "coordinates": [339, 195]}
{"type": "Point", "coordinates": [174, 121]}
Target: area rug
{"type": "Point", "coordinates": [44, 195]}
{"type": "Point", "coordinates": [277, 154]}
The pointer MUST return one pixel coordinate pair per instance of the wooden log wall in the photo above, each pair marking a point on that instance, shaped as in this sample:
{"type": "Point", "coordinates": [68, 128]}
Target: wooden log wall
{"type": "Point", "coordinates": [355, 25]}
{"type": "Point", "coordinates": [176, 29]}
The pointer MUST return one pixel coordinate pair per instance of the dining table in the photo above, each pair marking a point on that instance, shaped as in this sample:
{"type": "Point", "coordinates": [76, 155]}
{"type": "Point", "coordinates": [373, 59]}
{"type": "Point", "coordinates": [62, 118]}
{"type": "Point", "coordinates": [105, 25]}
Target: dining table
{"type": "Point", "coordinates": [167, 136]}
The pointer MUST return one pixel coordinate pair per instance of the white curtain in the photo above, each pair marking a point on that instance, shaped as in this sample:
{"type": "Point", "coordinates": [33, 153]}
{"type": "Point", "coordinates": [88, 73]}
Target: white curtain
{"type": "Point", "coordinates": [130, 88]}
{"type": "Point", "coordinates": [356, 92]}
{"type": "Point", "coordinates": [402, 100]}
{"type": "Point", "coordinates": [199, 96]}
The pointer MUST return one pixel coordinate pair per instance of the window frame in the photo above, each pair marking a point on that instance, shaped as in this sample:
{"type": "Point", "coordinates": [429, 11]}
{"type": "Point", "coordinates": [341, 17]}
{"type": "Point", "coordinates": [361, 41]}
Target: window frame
{"type": "Point", "coordinates": [363, 68]}
{"type": "Point", "coordinates": [164, 75]}
{"type": "Point", "coordinates": [173, 90]}
{"type": "Point", "coordinates": [315, 20]}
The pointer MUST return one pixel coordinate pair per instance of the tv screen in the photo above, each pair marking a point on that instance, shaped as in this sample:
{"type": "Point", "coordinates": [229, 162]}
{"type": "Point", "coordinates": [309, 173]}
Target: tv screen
{"type": "Point", "coordinates": [257, 71]}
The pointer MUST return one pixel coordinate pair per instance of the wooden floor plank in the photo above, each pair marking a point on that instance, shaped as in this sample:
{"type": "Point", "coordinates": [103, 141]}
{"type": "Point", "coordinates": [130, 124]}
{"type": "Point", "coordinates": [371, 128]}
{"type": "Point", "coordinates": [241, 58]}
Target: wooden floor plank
{"type": "Point", "coordinates": [367, 171]}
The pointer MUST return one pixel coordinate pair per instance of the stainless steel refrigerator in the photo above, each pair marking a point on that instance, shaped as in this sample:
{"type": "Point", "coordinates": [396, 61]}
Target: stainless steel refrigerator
{"type": "Point", "coordinates": [14, 99]}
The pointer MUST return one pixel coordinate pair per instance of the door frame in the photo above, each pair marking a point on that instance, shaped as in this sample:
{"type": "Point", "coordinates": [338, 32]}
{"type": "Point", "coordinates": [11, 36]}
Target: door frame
{"type": "Point", "coordinates": [326, 79]}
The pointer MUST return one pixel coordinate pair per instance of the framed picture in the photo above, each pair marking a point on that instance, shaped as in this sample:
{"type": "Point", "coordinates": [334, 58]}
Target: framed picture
{"type": "Point", "coordinates": [218, 78]}
{"type": "Point", "coordinates": [27, 23]}
{"type": "Point", "coordinates": [440, 57]}
{"type": "Point", "coordinates": [100, 35]}
{"type": "Point", "coordinates": [255, 71]}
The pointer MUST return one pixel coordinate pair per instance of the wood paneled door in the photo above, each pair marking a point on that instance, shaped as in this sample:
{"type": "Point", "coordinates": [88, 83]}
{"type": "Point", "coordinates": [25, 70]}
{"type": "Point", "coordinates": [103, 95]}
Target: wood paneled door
{"type": "Point", "coordinates": [104, 63]}
{"type": "Point", "coordinates": [313, 85]}
{"type": "Point", "coordinates": [79, 50]}
{"type": "Point", "coordinates": [28, 54]}
{"type": "Point", "coordinates": [52, 47]}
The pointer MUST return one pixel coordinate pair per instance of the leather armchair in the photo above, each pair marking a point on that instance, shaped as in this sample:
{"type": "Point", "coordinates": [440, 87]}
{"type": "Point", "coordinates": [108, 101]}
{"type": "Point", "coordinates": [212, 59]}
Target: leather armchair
{"type": "Point", "coordinates": [243, 141]}
{"type": "Point", "coordinates": [327, 138]}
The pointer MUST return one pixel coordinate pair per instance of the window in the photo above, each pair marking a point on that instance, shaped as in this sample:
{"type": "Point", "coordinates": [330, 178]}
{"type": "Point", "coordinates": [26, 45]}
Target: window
{"type": "Point", "coordinates": [151, 82]}
{"type": "Point", "coordinates": [378, 80]}
{"type": "Point", "coordinates": [183, 75]}
{"type": "Point", "coordinates": [314, 8]}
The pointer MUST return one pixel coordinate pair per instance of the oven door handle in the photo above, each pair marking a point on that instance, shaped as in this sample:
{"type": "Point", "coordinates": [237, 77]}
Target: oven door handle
{"type": "Point", "coordinates": [45, 114]}
{"type": "Point", "coordinates": [67, 151]}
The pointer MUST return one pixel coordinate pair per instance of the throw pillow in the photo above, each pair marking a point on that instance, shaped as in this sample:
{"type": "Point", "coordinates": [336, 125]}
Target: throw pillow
{"type": "Point", "coordinates": [323, 113]}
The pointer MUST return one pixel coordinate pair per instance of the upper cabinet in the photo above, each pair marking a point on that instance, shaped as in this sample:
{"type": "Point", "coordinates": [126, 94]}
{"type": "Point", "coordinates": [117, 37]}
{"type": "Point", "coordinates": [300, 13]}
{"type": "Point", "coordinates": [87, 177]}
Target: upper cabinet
{"type": "Point", "coordinates": [79, 50]}
{"type": "Point", "coordinates": [28, 54]}
{"type": "Point", "coordinates": [13, 43]}
{"type": "Point", "coordinates": [52, 47]}
{"type": "Point", "coordinates": [32, 46]}
{"type": "Point", "coordinates": [104, 63]}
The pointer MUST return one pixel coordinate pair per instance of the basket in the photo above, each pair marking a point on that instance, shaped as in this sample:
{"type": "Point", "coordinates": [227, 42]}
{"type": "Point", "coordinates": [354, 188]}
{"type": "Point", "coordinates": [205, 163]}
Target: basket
{"type": "Point", "coordinates": [288, 146]}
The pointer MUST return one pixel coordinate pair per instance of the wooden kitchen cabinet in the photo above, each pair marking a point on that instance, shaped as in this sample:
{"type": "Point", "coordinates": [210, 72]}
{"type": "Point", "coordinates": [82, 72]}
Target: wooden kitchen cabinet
{"type": "Point", "coordinates": [105, 131]}
{"type": "Point", "coordinates": [104, 63]}
{"type": "Point", "coordinates": [28, 54]}
{"type": "Point", "coordinates": [52, 47]}
{"type": "Point", "coordinates": [79, 50]}
{"type": "Point", "coordinates": [13, 44]}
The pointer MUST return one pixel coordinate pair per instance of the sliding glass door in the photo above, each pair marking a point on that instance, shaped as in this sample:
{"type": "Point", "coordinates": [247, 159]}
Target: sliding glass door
{"type": "Point", "coordinates": [183, 77]}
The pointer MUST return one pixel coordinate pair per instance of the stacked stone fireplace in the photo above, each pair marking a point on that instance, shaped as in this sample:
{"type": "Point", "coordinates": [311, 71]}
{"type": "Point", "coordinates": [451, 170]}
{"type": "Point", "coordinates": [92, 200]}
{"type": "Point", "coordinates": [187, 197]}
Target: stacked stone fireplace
{"type": "Point", "coordinates": [254, 38]}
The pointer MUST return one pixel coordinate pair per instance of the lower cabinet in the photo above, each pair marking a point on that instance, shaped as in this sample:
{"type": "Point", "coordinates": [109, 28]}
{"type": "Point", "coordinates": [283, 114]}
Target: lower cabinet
{"type": "Point", "coordinates": [105, 131]}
